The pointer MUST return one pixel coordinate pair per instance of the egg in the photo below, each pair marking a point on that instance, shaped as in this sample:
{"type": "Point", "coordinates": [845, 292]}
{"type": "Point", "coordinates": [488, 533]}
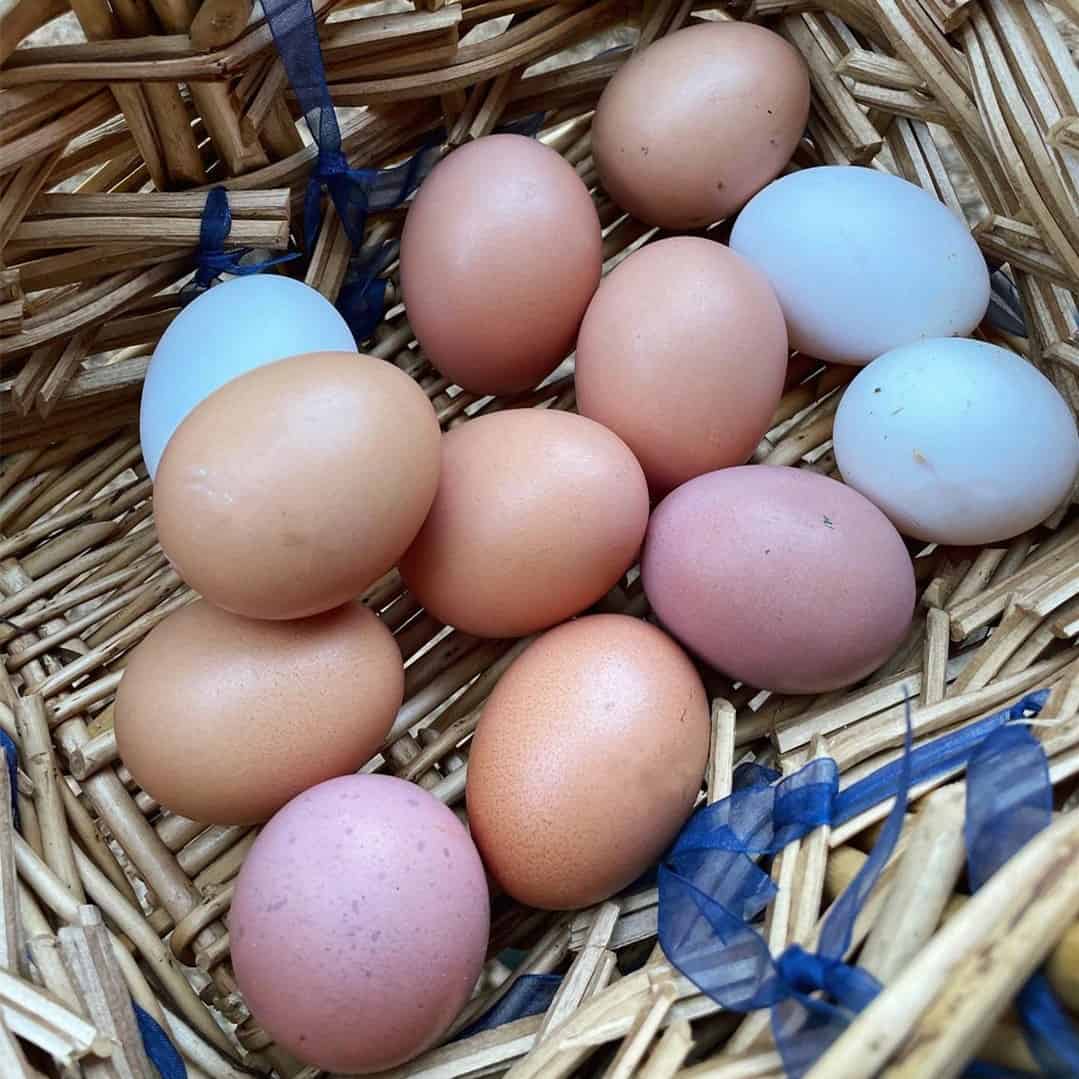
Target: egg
{"type": "Point", "coordinates": [294, 487]}
{"type": "Point", "coordinates": [778, 577]}
{"type": "Point", "coordinates": [538, 514]}
{"type": "Point", "coordinates": [223, 719]}
{"type": "Point", "coordinates": [500, 254]}
{"type": "Point", "coordinates": [958, 442]}
{"type": "Point", "coordinates": [693, 125]}
{"type": "Point", "coordinates": [683, 328]}
{"type": "Point", "coordinates": [230, 329]}
{"type": "Point", "coordinates": [359, 923]}
{"type": "Point", "coordinates": [587, 760]}
{"type": "Point", "coordinates": [862, 261]}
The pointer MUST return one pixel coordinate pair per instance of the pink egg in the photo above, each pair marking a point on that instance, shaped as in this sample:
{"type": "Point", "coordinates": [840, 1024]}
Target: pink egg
{"type": "Point", "coordinates": [359, 924]}
{"type": "Point", "coordinates": [779, 577]}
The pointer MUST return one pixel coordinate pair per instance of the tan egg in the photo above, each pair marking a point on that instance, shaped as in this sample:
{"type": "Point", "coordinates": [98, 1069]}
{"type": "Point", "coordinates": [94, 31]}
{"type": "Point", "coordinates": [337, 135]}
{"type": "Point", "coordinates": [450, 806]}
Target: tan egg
{"type": "Point", "coordinates": [693, 126]}
{"type": "Point", "coordinates": [296, 486]}
{"type": "Point", "coordinates": [500, 254]}
{"type": "Point", "coordinates": [223, 719]}
{"type": "Point", "coordinates": [538, 514]}
{"type": "Point", "coordinates": [587, 760]}
{"type": "Point", "coordinates": [683, 354]}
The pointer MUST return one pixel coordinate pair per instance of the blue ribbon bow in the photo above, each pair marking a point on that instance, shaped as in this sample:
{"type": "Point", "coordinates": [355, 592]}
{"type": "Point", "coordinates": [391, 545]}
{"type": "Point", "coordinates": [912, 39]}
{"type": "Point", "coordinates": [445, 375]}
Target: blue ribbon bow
{"type": "Point", "coordinates": [213, 259]}
{"type": "Point", "coordinates": [355, 192]}
{"type": "Point", "coordinates": [711, 888]}
{"type": "Point", "coordinates": [155, 1041]}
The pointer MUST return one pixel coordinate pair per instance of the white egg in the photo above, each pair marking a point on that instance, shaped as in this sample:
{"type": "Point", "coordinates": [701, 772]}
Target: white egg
{"type": "Point", "coordinates": [957, 441]}
{"type": "Point", "coordinates": [229, 330]}
{"type": "Point", "coordinates": [862, 262]}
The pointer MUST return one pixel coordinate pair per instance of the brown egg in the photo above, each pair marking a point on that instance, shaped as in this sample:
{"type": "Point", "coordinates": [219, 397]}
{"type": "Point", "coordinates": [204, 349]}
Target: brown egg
{"type": "Point", "coordinates": [500, 254]}
{"type": "Point", "coordinates": [693, 126]}
{"type": "Point", "coordinates": [683, 354]}
{"type": "Point", "coordinates": [223, 719]}
{"type": "Point", "coordinates": [296, 486]}
{"type": "Point", "coordinates": [537, 516]}
{"type": "Point", "coordinates": [587, 760]}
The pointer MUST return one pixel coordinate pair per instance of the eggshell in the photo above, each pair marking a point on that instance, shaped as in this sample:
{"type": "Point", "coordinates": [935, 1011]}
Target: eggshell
{"type": "Point", "coordinates": [587, 760]}
{"type": "Point", "coordinates": [230, 329]}
{"type": "Point", "coordinates": [223, 719]}
{"type": "Point", "coordinates": [359, 924]}
{"type": "Point", "coordinates": [862, 261]}
{"type": "Point", "coordinates": [538, 514]}
{"type": "Point", "coordinates": [500, 254]}
{"type": "Point", "coordinates": [779, 577]}
{"type": "Point", "coordinates": [294, 487]}
{"type": "Point", "coordinates": [958, 442]}
{"type": "Point", "coordinates": [683, 328]}
{"type": "Point", "coordinates": [693, 125]}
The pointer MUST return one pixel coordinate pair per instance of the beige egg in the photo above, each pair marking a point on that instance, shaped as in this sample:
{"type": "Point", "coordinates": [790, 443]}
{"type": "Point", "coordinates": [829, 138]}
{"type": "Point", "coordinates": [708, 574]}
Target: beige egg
{"type": "Point", "coordinates": [223, 719]}
{"type": "Point", "coordinates": [694, 125]}
{"type": "Point", "coordinates": [294, 487]}
{"type": "Point", "coordinates": [538, 515]}
{"type": "Point", "coordinates": [587, 760]}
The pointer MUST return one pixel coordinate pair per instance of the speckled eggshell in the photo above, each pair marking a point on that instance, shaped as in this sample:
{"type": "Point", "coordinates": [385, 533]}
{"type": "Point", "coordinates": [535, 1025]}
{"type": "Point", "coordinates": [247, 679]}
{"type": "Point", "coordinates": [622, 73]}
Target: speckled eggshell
{"type": "Point", "coordinates": [957, 441]}
{"type": "Point", "coordinates": [779, 577]}
{"type": "Point", "coordinates": [500, 254]}
{"type": "Point", "coordinates": [692, 126]}
{"type": "Point", "coordinates": [294, 487]}
{"type": "Point", "coordinates": [587, 760]}
{"type": "Point", "coordinates": [359, 924]}
{"type": "Point", "coordinates": [223, 719]}
{"type": "Point", "coordinates": [538, 514]}
{"type": "Point", "coordinates": [684, 328]}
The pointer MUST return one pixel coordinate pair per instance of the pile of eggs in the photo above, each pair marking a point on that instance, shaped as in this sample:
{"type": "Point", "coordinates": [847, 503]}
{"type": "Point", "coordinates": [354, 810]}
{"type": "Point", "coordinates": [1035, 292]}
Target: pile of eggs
{"type": "Point", "coordinates": [292, 473]}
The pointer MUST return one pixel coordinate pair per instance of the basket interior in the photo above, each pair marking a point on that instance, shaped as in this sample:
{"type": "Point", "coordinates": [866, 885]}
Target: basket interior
{"type": "Point", "coordinates": [144, 107]}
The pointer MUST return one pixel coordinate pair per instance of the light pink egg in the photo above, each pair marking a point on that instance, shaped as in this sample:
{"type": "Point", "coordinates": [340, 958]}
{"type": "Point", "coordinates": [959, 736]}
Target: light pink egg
{"type": "Point", "coordinates": [359, 924]}
{"type": "Point", "coordinates": [779, 577]}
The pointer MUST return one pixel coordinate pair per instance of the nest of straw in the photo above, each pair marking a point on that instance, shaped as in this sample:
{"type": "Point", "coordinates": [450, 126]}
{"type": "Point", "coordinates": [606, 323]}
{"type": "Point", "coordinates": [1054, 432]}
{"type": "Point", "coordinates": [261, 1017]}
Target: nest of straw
{"type": "Point", "coordinates": [109, 144]}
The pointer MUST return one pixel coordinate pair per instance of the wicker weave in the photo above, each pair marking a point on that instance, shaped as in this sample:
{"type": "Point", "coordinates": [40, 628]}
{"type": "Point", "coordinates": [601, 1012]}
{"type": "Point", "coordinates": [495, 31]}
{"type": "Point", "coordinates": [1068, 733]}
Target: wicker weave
{"type": "Point", "coordinates": [975, 100]}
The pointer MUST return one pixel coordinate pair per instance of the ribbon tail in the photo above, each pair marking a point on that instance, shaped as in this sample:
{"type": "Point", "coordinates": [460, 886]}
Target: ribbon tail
{"type": "Point", "coordinates": [1050, 1035]}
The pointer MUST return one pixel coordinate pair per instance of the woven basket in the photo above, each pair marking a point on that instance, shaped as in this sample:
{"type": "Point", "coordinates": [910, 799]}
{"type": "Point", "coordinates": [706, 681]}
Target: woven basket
{"type": "Point", "coordinates": [109, 142]}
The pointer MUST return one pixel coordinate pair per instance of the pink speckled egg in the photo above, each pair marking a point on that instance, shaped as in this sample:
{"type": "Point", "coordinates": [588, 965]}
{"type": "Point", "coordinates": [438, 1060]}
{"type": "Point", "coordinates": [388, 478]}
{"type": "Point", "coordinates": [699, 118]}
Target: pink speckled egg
{"type": "Point", "coordinates": [359, 924]}
{"type": "Point", "coordinates": [779, 577]}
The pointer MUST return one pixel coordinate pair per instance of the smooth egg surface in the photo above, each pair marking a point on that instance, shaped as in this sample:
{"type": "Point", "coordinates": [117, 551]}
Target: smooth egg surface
{"type": "Point", "coordinates": [296, 486]}
{"type": "Point", "coordinates": [778, 577]}
{"type": "Point", "coordinates": [587, 760]}
{"type": "Point", "coordinates": [683, 354]}
{"type": "Point", "coordinates": [223, 719]}
{"type": "Point", "coordinates": [538, 514]}
{"type": "Point", "coordinates": [693, 125]}
{"type": "Point", "coordinates": [231, 329]}
{"type": "Point", "coordinates": [957, 441]}
{"type": "Point", "coordinates": [862, 261]}
{"type": "Point", "coordinates": [500, 254]}
{"type": "Point", "coordinates": [359, 924]}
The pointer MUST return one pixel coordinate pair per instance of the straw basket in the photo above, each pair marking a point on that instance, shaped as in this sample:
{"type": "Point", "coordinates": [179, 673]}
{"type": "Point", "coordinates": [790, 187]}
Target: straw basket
{"type": "Point", "coordinates": [109, 142]}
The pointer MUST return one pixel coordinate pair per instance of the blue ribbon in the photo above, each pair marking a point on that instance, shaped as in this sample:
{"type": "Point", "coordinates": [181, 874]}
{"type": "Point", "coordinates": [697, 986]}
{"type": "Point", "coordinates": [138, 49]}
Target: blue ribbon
{"type": "Point", "coordinates": [711, 887]}
{"type": "Point", "coordinates": [530, 994]}
{"type": "Point", "coordinates": [1005, 310]}
{"type": "Point", "coordinates": [213, 259]}
{"type": "Point", "coordinates": [355, 192]}
{"type": "Point", "coordinates": [1009, 801]}
{"type": "Point", "coordinates": [155, 1041]}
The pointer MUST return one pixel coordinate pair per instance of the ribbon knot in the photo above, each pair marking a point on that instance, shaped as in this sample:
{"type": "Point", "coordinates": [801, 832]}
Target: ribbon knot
{"type": "Point", "coordinates": [711, 889]}
{"type": "Point", "coordinates": [213, 259]}
{"type": "Point", "coordinates": [805, 973]}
